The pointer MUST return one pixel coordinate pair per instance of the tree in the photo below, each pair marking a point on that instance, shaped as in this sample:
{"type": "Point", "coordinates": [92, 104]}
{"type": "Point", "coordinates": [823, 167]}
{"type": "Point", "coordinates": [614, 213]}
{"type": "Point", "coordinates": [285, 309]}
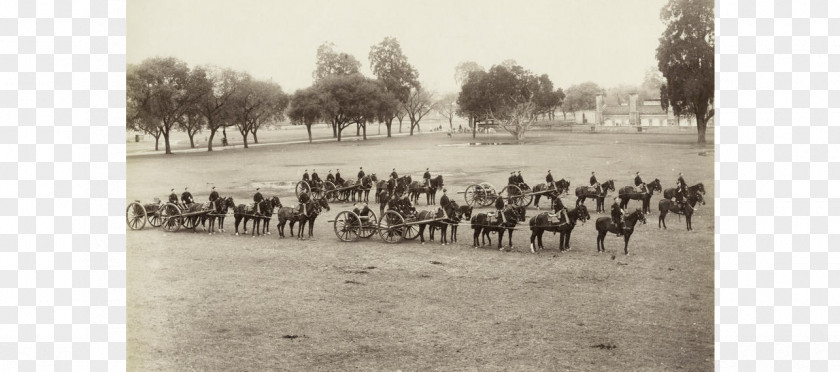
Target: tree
{"type": "Point", "coordinates": [215, 88]}
{"type": "Point", "coordinates": [391, 68]}
{"type": "Point", "coordinates": [652, 82]}
{"type": "Point", "coordinates": [351, 100]}
{"type": "Point", "coordinates": [419, 104]}
{"type": "Point", "coordinates": [191, 123]}
{"type": "Point", "coordinates": [305, 108]}
{"type": "Point", "coordinates": [686, 56]}
{"type": "Point", "coordinates": [463, 70]}
{"type": "Point", "coordinates": [158, 91]}
{"type": "Point", "coordinates": [546, 99]}
{"type": "Point", "coordinates": [255, 103]}
{"type": "Point", "coordinates": [329, 62]}
{"type": "Point", "coordinates": [136, 117]}
{"type": "Point", "coordinates": [473, 100]}
{"type": "Point", "coordinates": [447, 107]}
{"type": "Point", "coordinates": [581, 97]}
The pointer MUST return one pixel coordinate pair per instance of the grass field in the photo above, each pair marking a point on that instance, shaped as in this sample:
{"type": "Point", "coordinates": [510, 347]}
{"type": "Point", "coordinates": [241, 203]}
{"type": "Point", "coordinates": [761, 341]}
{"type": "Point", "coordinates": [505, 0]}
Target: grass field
{"type": "Point", "coordinates": [224, 302]}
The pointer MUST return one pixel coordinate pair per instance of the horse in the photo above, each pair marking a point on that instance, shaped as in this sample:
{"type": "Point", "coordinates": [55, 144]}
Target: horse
{"type": "Point", "coordinates": [672, 192]}
{"type": "Point", "coordinates": [416, 188]}
{"type": "Point", "coordinates": [560, 188]}
{"type": "Point", "coordinates": [262, 222]}
{"type": "Point", "coordinates": [666, 205]}
{"type": "Point", "coordinates": [383, 198]}
{"type": "Point", "coordinates": [482, 225]}
{"type": "Point", "coordinates": [249, 213]}
{"type": "Point", "coordinates": [219, 208]}
{"type": "Point", "coordinates": [381, 185]}
{"type": "Point", "coordinates": [464, 211]}
{"type": "Point", "coordinates": [348, 189]}
{"type": "Point", "coordinates": [367, 183]}
{"type": "Point", "coordinates": [443, 224]}
{"type": "Point", "coordinates": [584, 192]}
{"type": "Point", "coordinates": [604, 225]}
{"type": "Point", "coordinates": [196, 218]}
{"type": "Point", "coordinates": [313, 209]}
{"type": "Point", "coordinates": [629, 192]}
{"type": "Point", "coordinates": [542, 223]}
{"type": "Point", "coordinates": [402, 186]}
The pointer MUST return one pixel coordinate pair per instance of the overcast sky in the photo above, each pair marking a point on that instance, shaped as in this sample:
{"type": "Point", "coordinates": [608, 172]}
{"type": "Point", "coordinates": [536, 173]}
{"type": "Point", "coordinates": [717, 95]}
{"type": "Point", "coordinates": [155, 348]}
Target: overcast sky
{"type": "Point", "coordinates": [608, 42]}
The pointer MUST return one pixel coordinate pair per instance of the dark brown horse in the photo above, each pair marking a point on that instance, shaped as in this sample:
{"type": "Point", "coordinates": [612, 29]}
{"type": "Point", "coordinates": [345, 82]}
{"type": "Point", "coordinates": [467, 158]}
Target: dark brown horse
{"type": "Point", "coordinates": [416, 188]}
{"type": "Point", "coordinates": [560, 187]}
{"type": "Point", "coordinates": [483, 225]}
{"type": "Point", "coordinates": [672, 192]}
{"type": "Point", "coordinates": [438, 222]}
{"type": "Point", "coordinates": [367, 183]}
{"type": "Point", "coordinates": [218, 210]}
{"type": "Point", "coordinates": [584, 192]}
{"type": "Point", "coordinates": [249, 213]}
{"type": "Point", "coordinates": [629, 192]}
{"type": "Point", "coordinates": [666, 205]}
{"type": "Point", "coordinates": [464, 212]}
{"type": "Point", "coordinates": [542, 223]}
{"type": "Point", "coordinates": [313, 209]}
{"type": "Point", "coordinates": [604, 225]}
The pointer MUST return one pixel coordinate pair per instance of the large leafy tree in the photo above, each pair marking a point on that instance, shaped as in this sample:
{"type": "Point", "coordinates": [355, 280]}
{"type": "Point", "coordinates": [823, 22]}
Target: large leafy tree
{"type": "Point", "coordinates": [581, 97]}
{"type": "Point", "coordinates": [463, 70]}
{"type": "Point", "coordinates": [686, 56]}
{"type": "Point", "coordinates": [305, 108]}
{"type": "Point", "coordinates": [351, 100]}
{"type": "Point", "coordinates": [216, 88]}
{"type": "Point", "coordinates": [419, 104]}
{"type": "Point", "coordinates": [546, 99]}
{"type": "Point", "coordinates": [137, 117]}
{"type": "Point", "coordinates": [256, 103]}
{"type": "Point", "coordinates": [158, 94]}
{"type": "Point", "coordinates": [330, 62]}
{"type": "Point", "coordinates": [391, 68]}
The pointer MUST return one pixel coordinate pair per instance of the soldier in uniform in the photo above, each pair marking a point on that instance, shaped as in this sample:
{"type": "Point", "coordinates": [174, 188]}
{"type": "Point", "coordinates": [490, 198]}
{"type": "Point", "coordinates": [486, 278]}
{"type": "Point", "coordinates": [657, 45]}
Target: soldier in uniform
{"type": "Point", "coordinates": [213, 194]}
{"type": "Point", "coordinates": [512, 178]}
{"type": "Point", "coordinates": [257, 199]}
{"type": "Point", "coordinates": [559, 207]}
{"type": "Point", "coordinates": [392, 184]}
{"type": "Point", "coordinates": [617, 216]}
{"type": "Point", "coordinates": [681, 191]}
{"type": "Point", "coordinates": [394, 204]}
{"type": "Point", "coordinates": [363, 212]}
{"type": "Point", "coordinates": [549, 181]}
{"type": "Point", "coordinates": [500, 210]}
{"type": "Point", "coordinates": [316, 179]}
{"type": "Point", "coordinates": [186, 198]}
{"type": "Point", "coordinates": [361, 174]}
{"type": "Point", "coordinates": [306, 176]}
{"type": "Point", "coordinates": [394, 173]}
{"type": "Point", "coordinates": [444, 202]}
{"type": "Point", "coordinates": [173, 197]}
{"type": "Point", "coordinates": [427, 178]}
{"type": "Point", "coordinates": [594, 183]}
{"type": "Point", "coordinates": [302, 200]}
{"type": "Point", "coordinates": [330, 176]}
{"type": "Point", "coordinates": [640, 185]}
{"type": "Point", "coordinates": [521, 181]}
{"type": "Point", "coordinates": [338, 180]}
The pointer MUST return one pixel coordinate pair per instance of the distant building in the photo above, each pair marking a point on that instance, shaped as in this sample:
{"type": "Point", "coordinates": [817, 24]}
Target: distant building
{"type": "Point", "coordinates": [648, 114]}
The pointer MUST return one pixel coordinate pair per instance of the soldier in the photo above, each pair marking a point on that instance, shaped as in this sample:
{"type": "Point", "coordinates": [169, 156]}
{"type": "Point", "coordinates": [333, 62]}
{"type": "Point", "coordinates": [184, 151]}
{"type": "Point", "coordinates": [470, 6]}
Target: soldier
{"type": "Point", "coordinates": [361, 174]}
{"type": "Point", "coordinates": [213, 194]}
{"type": "Point", "coordinates": [173, 197]}
{"type": "Point", "coordinates": [338, 180]}
{"type": "Point", "coordinates": [617, 216]}
{"type": "Point", "coordinates": [302, 200]}
{"type": "Point", "coordinates": [306, 176]}
{"type": "Point", "coordinates": [640, 185]}
{"type": "Point", "coordinates": [330, 176]}
{"type": "Point", "coordinates": [257, 199]}
{"type": "Point", "coordinates": [363, 212]}
{"type": "Point", "coordinates": [394, 204]}
{"type": "Point", "coordinates": [521, 181]}
{"type": "Point", "coordinates": [512, 178]}
{"type": "Point", "coordinates": [500, 210]}
{"type": "Point", "coordinates": [594, 183]}
{"type": "Point", "coordinates": [444, 202]}
{"type": "Point", "coordinates": [681, 191]}
{"type": "Point", "coordinates": [394, 173]}
{"type": "Point", "coordinates": [559, 207]}
{"type": "Point", "coordinates": [549, 181]}
{"type": "Point", "coordinates": [405, 203]}
{"type": "Point", "coordinates": [316, 179]}
{"type": "Point", "coordinates": [186, 198]}
{"type": "Point", "coordinates": [427, 178]}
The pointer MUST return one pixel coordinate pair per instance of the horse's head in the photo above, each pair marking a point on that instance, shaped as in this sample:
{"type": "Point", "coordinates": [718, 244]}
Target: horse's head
{"type": "Point", "coordinates": [701, 189]}
{"type": "Point", "coordinates": [452, 208]}
{"type": "Point", "coordinates": [698, 197]}
{"type": "Point", "coordinates": [609, 185]}
{"type": "Point", "coordinates": [275, 202]}
{"type": "Point", "coordinates": [656, 185]}
{"type": "Point", "coordinates": [515, 213]}
{"type": "Point", "coordinates": [637, 215]}
{"type": "Point", "coordinates": [322, 203]}
{"type": "Point", "coordinates": [563, 185]}
{"type": "Point", "coordinates": [583, 213]}
{"type": "Point", "coordinates": [373, 177]}
{"type": "Point", "coordinates": [229, 203]}
{"type": "Point", "coordinates": [465, 212]}
{"type": "Point", "coordinates": [439, 181]}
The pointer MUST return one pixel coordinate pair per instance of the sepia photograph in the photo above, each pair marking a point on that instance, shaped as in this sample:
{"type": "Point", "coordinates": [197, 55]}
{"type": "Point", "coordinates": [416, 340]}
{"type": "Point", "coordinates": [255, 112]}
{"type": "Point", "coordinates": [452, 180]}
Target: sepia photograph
{"type": "Point", "coordinates": [406, 185]}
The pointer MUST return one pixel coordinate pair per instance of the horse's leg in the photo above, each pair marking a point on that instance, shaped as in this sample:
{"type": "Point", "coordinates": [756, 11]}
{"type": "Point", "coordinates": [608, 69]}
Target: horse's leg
{"type": "Point", "coordinates": [476, 233]}
{"type": "Point", "coordinates": [626, 240]}
{"type": "Point", "coordinates": [443, 240]}
{"type": "Point", "coordinates": [510, 238]}
{"type": "Point", "coordinates": [533, 237]}
{"type": "Point", "coordinates": [312, 225]}
{"type": "Point", "coordinates": [662, 219]}
{"type": "Point", "coordinates": [236, 220]}
{"type": "Point", "coordinates": [422, 228]}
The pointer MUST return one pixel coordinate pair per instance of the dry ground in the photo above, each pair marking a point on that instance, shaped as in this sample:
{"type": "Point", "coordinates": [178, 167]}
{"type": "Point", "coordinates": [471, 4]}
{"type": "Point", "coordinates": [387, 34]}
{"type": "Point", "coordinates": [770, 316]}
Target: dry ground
{"type": "Point", "coordinates": [223, 302]}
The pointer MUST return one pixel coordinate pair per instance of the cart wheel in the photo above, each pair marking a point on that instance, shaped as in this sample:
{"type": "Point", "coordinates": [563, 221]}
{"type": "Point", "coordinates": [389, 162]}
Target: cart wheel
{"type": "Point", "coordinates": [346, 226]}
{"type": "Point", "coordinates": [302, 187]}
{"type": "Point", "coordinates": [527, 199]}
{"type": "Point", "coordinates": [513, 194]}
{"type": "Point", "coordinates": [369, 226]}
{"type": "Point", "coordinates": [391, 227]}
{"type": "Point", "coordinates": [170, 217]}
{"type": "Point", "coordinates": [474, 195]}
{"type": "Point", "coordinates": [329, 191]}
{"type": "Point", "coordinates": [154, 217]}
{"type": "Point", "coordinates": [490, 194]}
{"type": "Point", "coordinates": [190, 222]}
{"type": "Point", "coordinates": [412, 231]}
{"type": "Point", "coordinates": [135, 216]}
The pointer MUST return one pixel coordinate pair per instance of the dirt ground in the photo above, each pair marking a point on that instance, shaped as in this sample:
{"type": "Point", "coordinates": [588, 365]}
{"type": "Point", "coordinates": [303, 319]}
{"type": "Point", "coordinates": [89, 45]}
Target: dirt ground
{"type": "Point", "coordinates": [224, 302]}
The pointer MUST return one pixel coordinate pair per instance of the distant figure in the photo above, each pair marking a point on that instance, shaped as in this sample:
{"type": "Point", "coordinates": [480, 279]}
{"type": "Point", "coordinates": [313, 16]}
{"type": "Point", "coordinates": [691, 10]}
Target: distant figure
{"type": "Point", "coordinates": [594, 183]}
{"type": "Point", "coordinates": [306, 175]}
{"type": "Point", "coordinates": [549, 181]}
{"type": "Point", "coordinates": [361, 174]}
{"type": "Point", "coordinates": [186, 198]}
{"type": "Point", "coordinates": [257, 199]}
{"type": "Point", "coordinates": [640, 185]}
{"type": "Point", "coordinates": [427, 178]}
{"type": "Point", "coordinates": [338, 178]}
{"type": "Point", "coordinates": [617, 215]}
{"type": "Point", "coordinates": [213, 194]}
{"type": "Point", "coordinates": [330, 176]}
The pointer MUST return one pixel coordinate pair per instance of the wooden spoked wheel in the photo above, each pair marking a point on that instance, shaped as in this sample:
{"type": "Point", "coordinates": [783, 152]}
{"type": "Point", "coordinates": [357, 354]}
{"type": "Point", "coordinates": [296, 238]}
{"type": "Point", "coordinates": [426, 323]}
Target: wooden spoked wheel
{"type": "Point", "coordinates": [302, 187]}
{"type": "Point", "coordinates": [170, 216]}
{"type": "Point", "coordinates": [135, 216]}
{"type": "Point", "coordinates": [368, 226]}
{"type": "Point", "coordinates": [412, 231]}
{"type": "Point", "coordinates": [329, 191]}
{"type": "Point", "coordinates": [347, 226]}
{"type": "Point", "coordinates": [391, 227]}
{"type": "Point", "coordinates": [490, 194]}
{"type": "Point", "coordinates": [190, 222]}
{"type": "Point", "coordinates": [513, 195]}
{"type": "Point", "coordinates": [154, 217]}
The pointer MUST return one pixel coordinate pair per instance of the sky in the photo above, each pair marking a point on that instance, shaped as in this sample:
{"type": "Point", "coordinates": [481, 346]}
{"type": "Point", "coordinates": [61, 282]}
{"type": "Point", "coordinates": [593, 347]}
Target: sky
{"type": "Point", "coordinates": [609, 42]}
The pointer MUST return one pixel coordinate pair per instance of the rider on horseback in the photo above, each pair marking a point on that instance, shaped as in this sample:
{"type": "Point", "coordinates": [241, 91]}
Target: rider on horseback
{"type": "Point", "coordinates": [213, 194]}
{"type": "Point", "coordinates": [559, 207]}
{"type": "Point", "coordinates": [681, 192]}
{"type": "Point", "coordinates": [593, 182]}
{"type": "Point", "coordinates": [338, 179]}
{"type": "Point", "coordinates": [361, 174]}
{"type": "Point", "coordinates": [427, 178]}
{"type": "Point", "coordinates": [394, 173]}
{"type": "Point", "coordinates": [617, 216]}
{"type": "Point", "coordinates": [444, 202]}
{"type": "Point", "coordinates": [500, 210]}
{"type": "Point", "coordinates": [302, 200]}
{"type": "Point", "coordinates": [258, 198]}
{"type": "Point", "coordinates": [549, 181]}
{"type": "Point", "coordinates": [640, 185]}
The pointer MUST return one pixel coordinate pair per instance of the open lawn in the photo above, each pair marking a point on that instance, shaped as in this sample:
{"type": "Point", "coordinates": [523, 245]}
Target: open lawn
{"type": "Point", "coordinates": [224, 302]}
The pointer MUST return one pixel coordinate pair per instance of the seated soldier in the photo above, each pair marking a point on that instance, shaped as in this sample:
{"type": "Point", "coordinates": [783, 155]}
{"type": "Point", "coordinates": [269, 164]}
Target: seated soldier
{"type": "Point", "coordinates": [316, 179]}
{"type": "Point", "coordinates": [640, 185]}
{"type": "Point", "coordinates": [393, 205]}
{"type": "Point", "coordinates": [558, 206]}
{"type": "Point", "coordinates": [186, 198]}
{"type": "Point", "coordinates": [173, 197]}
{"type": "Point", "coordinates": [593, 183]}
{"type": "Point", "coordinates": [305, 176]}
{"type": "Point", "coordinates": [363, 212]}
{"type": "Point", "coordinates": [500, 210]}
{"type": "Point", "coordinates": [338, 180]}
{"type": "Point", "coordinates": [303, 199]}
{"type": "Point", "coordinates": [617, 215]}
{"type": "Point", "coordinates": [549, 181]}
{"type": "Point", "coordinates": [330, 176]}
{"type": "Point", "coordinates": [512, 178]}
{"type": "Point", "coordinates": [521, 181]}
{"type": "Point", "coordinates": [258, 198]}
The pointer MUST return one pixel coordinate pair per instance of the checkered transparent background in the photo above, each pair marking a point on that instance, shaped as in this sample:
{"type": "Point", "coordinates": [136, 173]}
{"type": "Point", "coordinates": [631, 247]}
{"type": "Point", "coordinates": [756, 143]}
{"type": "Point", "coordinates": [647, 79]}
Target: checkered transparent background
{"type": "Point", "coordinates": [62, 185]}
